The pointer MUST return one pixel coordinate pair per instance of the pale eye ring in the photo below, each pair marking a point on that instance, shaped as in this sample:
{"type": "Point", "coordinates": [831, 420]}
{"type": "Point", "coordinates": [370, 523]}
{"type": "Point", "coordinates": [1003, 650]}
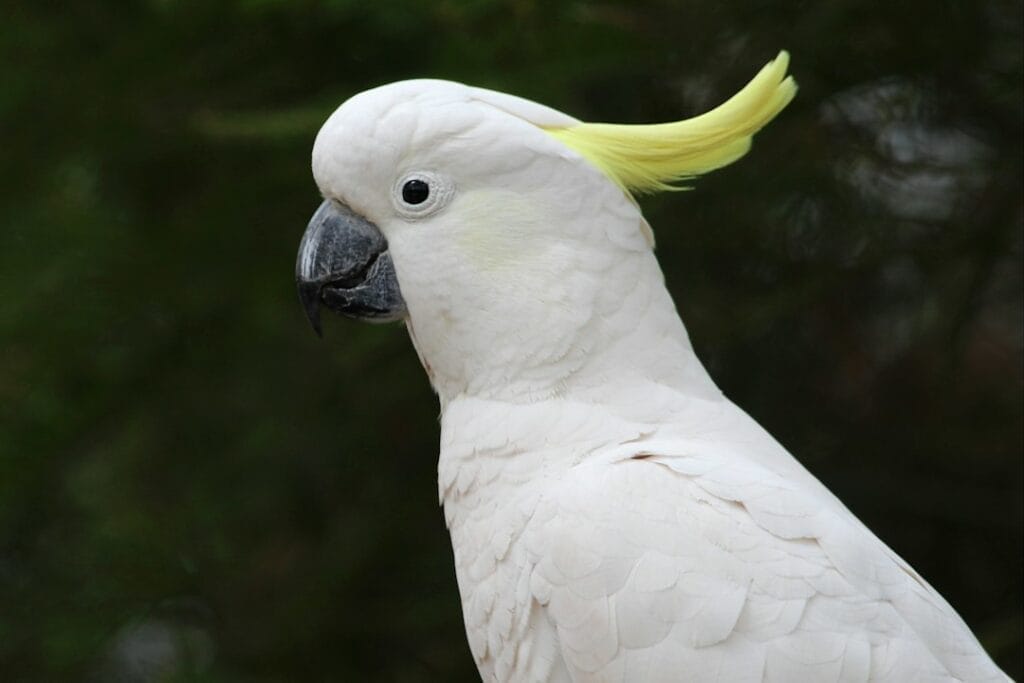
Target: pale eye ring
{"type": "Point", "coordinates": [421, 193]}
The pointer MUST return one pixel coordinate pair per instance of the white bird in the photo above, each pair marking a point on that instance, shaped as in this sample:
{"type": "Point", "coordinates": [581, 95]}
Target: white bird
{"type": "Point", "coordinates": [613, 516]}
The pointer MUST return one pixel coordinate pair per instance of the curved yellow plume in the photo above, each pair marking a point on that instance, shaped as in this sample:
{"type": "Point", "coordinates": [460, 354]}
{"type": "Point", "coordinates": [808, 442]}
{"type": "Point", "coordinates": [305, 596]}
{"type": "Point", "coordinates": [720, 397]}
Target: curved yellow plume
{"type": "Point", "coordinates": [649, 158]}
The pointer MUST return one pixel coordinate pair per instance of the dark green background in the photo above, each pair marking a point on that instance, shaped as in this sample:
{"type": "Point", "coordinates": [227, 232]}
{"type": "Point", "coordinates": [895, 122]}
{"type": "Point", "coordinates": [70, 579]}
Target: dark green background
{"type": "Point", "coordinates": [193, 487]}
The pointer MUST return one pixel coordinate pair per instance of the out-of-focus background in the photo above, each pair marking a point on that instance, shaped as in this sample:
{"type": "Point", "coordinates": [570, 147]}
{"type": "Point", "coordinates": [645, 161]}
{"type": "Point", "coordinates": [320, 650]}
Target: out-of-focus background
{"type": "Point", "coordinates": [194, 487]}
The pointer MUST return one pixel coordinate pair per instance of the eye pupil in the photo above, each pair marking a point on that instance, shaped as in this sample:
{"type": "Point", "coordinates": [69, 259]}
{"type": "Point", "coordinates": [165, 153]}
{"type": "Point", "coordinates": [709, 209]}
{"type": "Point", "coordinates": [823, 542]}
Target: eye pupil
{"type": "Point", "coordinates": [415, 192]}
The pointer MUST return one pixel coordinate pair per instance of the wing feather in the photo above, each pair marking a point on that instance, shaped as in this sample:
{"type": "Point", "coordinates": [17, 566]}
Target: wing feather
{"type": "Point", "coordinates": [664, 568]}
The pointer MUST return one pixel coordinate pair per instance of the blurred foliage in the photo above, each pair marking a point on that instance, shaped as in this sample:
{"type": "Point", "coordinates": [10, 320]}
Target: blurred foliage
{"type": "Point", "coordinates": [193, 487]}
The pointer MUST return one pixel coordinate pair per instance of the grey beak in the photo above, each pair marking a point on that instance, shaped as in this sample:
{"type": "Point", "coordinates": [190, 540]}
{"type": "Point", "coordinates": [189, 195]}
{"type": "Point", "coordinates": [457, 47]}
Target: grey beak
{"type": "Point", "coordinates": [344, 264]}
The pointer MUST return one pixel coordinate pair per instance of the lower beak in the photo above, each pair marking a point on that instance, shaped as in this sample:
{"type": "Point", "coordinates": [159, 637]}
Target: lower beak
{"type": "Point", "coordinates": [344, 264]}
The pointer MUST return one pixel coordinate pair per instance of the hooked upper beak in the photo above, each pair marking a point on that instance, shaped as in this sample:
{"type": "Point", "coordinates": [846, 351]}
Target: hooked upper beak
{"type": "Point", "coordinates": [344, 264]}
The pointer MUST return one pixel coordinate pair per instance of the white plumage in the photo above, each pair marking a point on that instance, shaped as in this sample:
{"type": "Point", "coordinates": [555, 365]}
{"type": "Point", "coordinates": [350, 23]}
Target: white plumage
{"type": "Point", "coordinates": [613, 516]}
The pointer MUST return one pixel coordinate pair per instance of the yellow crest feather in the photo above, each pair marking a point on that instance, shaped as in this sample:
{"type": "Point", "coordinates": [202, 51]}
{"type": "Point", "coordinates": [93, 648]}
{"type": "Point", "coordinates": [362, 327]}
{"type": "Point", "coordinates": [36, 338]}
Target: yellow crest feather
{"type": "Point", "coordinates": [649, 158]}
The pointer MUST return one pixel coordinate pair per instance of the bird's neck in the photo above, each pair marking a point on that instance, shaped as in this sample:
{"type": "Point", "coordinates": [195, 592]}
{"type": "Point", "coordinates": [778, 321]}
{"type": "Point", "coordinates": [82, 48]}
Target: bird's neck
{"type": "Point", "coordinates": [605, 350]}
{"type": "Point", "coordinates": [530, 409]}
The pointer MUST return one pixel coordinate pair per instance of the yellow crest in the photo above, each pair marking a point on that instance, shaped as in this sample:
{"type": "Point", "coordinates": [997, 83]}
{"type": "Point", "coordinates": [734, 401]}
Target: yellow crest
{"type": "Point", "coordinates": [649, 158]}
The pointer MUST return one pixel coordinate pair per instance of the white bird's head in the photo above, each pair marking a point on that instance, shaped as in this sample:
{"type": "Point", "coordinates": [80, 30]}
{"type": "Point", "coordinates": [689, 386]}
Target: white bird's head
{"type": "Point", "coordinates": [502, 231]}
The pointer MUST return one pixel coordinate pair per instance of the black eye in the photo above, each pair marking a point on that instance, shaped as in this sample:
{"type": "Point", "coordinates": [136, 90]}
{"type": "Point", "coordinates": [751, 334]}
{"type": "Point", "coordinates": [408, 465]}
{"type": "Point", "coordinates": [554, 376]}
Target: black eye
{"type": "Point", "coordinates": [415, 192]}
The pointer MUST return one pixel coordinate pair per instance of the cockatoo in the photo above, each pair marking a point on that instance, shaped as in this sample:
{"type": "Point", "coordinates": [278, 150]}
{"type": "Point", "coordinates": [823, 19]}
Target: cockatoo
{"type": "Point", "coordinates": [613, 516]}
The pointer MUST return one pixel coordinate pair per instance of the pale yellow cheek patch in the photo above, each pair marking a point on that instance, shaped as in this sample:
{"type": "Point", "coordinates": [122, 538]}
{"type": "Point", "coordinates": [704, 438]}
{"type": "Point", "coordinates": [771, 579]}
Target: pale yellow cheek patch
{"type": "Point", "coordinates": [496, 228]}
